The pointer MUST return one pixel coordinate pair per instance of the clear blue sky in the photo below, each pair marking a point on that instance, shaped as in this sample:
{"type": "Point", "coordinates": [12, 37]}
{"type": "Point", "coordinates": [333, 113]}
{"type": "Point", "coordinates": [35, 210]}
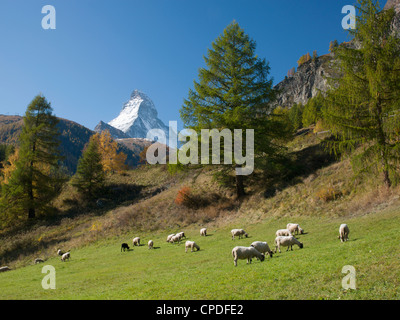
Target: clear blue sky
{"type": "Point", "coordinates": [102, 50]}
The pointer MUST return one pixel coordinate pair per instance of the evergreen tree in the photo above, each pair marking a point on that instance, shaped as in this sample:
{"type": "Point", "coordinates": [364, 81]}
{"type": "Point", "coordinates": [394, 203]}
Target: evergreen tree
{"type": "Point", "coordinates": [90, 176]}
{"type": "Point", "coordinates": [234, 92]}
{"type": "Point", "coordinates": [333, 45]}
{"type": "Point", "coordinates": [312, 110]}
{"type": "Point", "coordinates": [30, 187]}
{"type": "Point", "coordinates": [364, 109]}
{"type": "Point", "coordinates": [296, 116]}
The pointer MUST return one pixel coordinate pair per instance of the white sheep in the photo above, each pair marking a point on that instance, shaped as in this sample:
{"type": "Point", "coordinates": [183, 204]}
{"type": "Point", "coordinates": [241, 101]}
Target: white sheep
{"type": "Point", "coordinates": [136, 241]}
{"type": "Point", "coordinates": [294, 227]}
{"type": "Point", "coordinates": [286, 241]}
{"type": "Point", "coordinates": [169, 237]}
{"type": "Point", "coordinates": [175, 238]}
{"type": "Point", "coordinates": [283, 232]}
{"type": "Point", "coordinates": [344, 232]}
{"type": "Point", "coordinates": [246, 253]}
{"type": "Point", "coordinates": [203, 232]}
{"type": "Point", "coordinates": [150, 244]}
{"type": "Point", "coordinates": [65, 256]}
{"type": "Point", "coordinates": [191, 244]}
{"type": "Point", "coordinates": [181, 234]}
{"type": "Point", "coordinates": [262, 247]}
{"type": "Point", "coordinates": [238, 232]}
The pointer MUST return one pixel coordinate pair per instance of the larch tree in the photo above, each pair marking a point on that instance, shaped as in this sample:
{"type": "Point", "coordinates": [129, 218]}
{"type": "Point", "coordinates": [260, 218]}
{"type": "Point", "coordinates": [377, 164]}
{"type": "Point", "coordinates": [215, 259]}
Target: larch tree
{"type": "Point", "coordinates": [112, 160]}
{"type": "Point", "coordinates": [90, 176]}
{"type": "Point", "coordinates": [30, 186]}
{"type": "Point", "coordinates": [234, 91]}
{"type": "Point", "coordinates": [364, 110]}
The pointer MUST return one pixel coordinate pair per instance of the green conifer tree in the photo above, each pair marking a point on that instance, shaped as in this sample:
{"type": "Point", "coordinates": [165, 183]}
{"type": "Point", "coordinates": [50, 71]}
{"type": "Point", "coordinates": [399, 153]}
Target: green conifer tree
{"type": "Point", "coordinates": [30, 188]}
{"type": "Point", "coordinates": [90, 176]}
{"type": "Point", "coordinates": [364, 110]}
{"type": "Point", "coordinates": [234, 92]}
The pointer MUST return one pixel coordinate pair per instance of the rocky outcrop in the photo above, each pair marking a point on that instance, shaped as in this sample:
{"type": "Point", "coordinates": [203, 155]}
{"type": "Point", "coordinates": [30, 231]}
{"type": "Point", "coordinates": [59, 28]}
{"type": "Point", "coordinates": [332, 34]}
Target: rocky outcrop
{"type": "Point", "coordinates": [309, 79]}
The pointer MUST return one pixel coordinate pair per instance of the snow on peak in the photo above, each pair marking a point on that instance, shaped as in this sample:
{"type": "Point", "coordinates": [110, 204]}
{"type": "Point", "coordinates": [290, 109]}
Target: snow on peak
{"type": "Point", "coordinates": [138, 116]}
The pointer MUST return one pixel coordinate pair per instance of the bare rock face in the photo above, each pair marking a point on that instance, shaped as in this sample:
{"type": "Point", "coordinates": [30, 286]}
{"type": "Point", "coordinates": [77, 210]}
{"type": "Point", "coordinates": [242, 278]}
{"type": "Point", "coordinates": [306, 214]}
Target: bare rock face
{"type": "Point", "coordinates": [309, 79]}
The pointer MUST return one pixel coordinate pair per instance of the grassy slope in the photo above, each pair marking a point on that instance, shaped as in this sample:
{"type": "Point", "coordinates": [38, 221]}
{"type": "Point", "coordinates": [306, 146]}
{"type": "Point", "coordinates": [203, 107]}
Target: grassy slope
{"type": "Point", "coordinates": [101, 271]}
{"type": "Point", "coordinates": [98, 270]}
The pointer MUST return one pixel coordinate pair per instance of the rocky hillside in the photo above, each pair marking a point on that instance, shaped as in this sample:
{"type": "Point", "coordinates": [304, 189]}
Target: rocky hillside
{"type": "Point", "coordinates": [309, 79]}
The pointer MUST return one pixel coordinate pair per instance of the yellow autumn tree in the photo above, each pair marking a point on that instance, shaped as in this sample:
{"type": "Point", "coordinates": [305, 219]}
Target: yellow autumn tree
{"type": "Point", "coordinates": [9, 166]}
{"type": "Point", "coordinates": [112, 160]}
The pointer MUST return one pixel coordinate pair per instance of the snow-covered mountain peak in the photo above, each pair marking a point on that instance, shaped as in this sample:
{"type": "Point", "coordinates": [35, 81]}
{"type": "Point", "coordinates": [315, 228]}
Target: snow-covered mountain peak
{"type": "Point", "coordinates": [138, 116]}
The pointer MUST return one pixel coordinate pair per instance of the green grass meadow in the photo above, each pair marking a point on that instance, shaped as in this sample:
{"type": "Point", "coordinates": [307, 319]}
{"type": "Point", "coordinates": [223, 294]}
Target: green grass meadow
{"type": "Point", "coordinates": [101, 271]}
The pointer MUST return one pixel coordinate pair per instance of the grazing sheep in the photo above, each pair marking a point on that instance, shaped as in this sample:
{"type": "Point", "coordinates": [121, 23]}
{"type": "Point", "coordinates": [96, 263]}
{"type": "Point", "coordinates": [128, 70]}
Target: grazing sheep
{"type": "Point", "coordinates": [203, 232]}
{"type": "Point", "coordinates": [191, 244]}
{"type": "Point", "coordinates": [283, 232]}
{"type": "Point", "coordinates": [344, 232]}
{"type": "Point", "coordinates": [294, 227]}
{"type": "Point", "coordinates": [136, 241]}
{"type": "Point", "coordinates": [65, 256]}
{"type": "Point", "coordinates": [150, 244]}
{"type": "Point", "coordinates": [286, 241]}
{"type": "Point", "coordinates": [124, 247]}
{"type": "Point", "coordinates": [4, 269]}
{"type": "Point", "coordinates": [60, 252]}
{"type": "Point", "coordinates": [176, 238]}
{"type": "Point", "coordinates": [169, 237]}
{"type": "Point", "coordinates": [246, 253]}
{"type": "Point", "coordinates": [181, 234]}
{"type": "Point", "coordinates": [262, 247]}
{"type": "Point", "coordinates": [38, 260]}
{"type": "Point", "coordinates": [238, 232]}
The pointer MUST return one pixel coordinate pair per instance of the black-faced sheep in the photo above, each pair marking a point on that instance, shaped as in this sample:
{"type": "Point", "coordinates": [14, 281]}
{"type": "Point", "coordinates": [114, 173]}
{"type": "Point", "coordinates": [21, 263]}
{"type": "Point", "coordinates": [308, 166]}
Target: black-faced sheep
{"type": "Point", "coordinates": [238, 232]}
{"type": "Point", "coordinates": [246, 253]}
{"type": "Point", "coordinates": [136, 241]}
{"type": "Point", "coordinates": [175, 238]}
{"type": "Point", "coordinates": [286, 241]}
{"type": "Point", "coordinates": [38, 260]}
{"type": "Point", "coordinates": [181, 234]}
{"type": "Point", "coordinates": [262, 247]}
{"type": "Point", "coordinates": [191, 245]}
{"type": "Point", "coordinates": [65, 256]}
{"type": "Point", "coordinates": [294, 228]}
{"type": "Point", "coordinates": [283, 232]}
{"type": "Point", "coordinates": [344, 232]}
{"type": "Point", "coordinates": [4, 269]}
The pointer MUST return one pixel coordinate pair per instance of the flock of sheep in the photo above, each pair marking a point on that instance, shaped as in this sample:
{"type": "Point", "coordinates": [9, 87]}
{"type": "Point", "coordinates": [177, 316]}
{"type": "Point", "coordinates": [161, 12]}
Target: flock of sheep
{"type": "Point", "coordinates": [258, 249]}
{"type": "Point", "coordinates": [284, 238]}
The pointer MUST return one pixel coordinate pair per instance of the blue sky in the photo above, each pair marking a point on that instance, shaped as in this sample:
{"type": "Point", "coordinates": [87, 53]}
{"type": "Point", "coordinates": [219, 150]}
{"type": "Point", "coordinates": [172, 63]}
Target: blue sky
{"type": "Point", "coordinates": [102, 50]}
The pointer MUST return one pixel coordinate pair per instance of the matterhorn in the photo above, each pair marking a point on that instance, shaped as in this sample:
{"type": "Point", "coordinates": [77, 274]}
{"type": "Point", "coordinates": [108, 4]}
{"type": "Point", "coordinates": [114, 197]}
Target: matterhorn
{"type": "Point", "coordinates": [137, 117]}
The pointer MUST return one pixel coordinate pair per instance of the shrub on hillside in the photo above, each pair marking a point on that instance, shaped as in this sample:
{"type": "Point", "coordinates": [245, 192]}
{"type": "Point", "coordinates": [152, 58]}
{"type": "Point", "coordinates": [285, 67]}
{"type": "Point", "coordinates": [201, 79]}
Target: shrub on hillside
{"type": "Point", "coordinates": [328, 194]}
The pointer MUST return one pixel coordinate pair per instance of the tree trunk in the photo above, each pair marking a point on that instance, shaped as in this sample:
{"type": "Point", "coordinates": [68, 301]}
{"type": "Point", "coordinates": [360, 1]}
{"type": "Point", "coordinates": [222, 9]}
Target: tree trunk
{"type": "Point", "coordinates": [239, 186]}
{"type": "Point", "coordinates": [386, 179]}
